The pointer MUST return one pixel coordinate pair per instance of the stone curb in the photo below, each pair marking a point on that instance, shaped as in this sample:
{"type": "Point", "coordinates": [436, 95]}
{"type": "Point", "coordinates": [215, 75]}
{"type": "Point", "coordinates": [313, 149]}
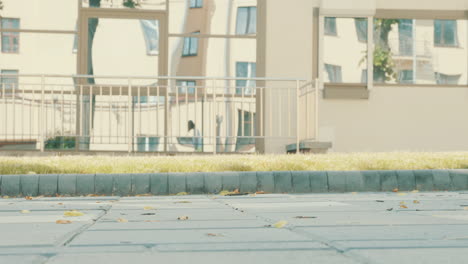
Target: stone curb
{"type": "Point", "coordinates": [245, 182]}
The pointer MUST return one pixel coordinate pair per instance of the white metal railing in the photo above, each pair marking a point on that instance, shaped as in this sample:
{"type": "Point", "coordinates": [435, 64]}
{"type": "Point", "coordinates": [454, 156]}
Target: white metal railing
{"type": "Point", "coordinates": [155, 114]}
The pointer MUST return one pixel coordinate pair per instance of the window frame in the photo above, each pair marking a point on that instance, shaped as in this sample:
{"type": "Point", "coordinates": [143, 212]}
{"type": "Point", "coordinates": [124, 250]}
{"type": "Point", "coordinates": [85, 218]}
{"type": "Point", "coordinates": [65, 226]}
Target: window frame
{"type": "Point", "coordinates": [197, 4]}
{"type": "Point", "coordinates": [10, 35]}
{"type": "Point", "coordinates": [248, 22]}
{"type": "Point", "coordinates": [333, 33]}
{"type": "Point", "coordinates": [187, 87]}
{"type": "Point", "coordinates": [244, 90]}
{"type": "Point", "coordinates": [190, 42]}
{"type": "Point", "coordinates": [443, 43]}
{"type": "Point", "coordinates": [5, 85]}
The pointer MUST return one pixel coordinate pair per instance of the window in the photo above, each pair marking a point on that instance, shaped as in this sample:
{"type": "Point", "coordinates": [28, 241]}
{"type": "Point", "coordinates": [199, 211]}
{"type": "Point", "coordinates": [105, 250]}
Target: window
{"type": "Point", "coordinates": [8, 82]}
{"type": "Point", "coordinates": [405, 36]}
{"type": "Point", "coordinates": [10, 40]}
{"type": "Point", "coordinates": [246, 20]}
{"type": "Point", "coordinates": [196, 3]}
{"type": "Point", "coordinates": [245, 70]}
{"type": "Point", "coordinates": [445, 33]}
{"type": "Point", "coordinates": [361, 29]}
{"type": "Point", "coordinates": [334, 73]}
{"type": "Point", "coordinates": [186, 86]}
{"type": "Point", "coordinates": [151, 33]}
{"type": "Point", "coordinates": [405, 76]}
{"type": "Point", "coordinates": [145, 144]}
{"type": "Point", "coordinates": [446, 79]}
{"type": "Point", "coordinates": [330, 26]}
{"type": "Point", "coordinates": [247, 126]}
{"type": "Point", "coordinates": [190, 46]}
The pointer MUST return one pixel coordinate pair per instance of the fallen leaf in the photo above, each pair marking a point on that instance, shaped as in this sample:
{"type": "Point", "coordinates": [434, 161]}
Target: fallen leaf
{"type": "Point", "coordinates": [182, 202]}
{"type": "Point", "coordinates": [389, 209]}
{"type": "Point", "coordinates": [148, 208]}
{"type": "Point", "coordinates": [151, 221]}
{"type": "Point", "coordinates": [60, 203]}
{"type": "Point", "coordinates": [230, 193]}
{"type": "Point", "coordinates": [415, 191]}
{"type": "Point", "coordinates": [395, 190]}
{"type": "Point", "coordinates": [62, 222]}
{"type": "Point", "coordinates": [182, 217]}
{"type": "Point", "coordinates": [6, 197]}
{"type": "Point", "coordinates": [73, 213]}
{"type": "Point", "coordinates": [354, 193]}
{"type": "Point", "coordinates": [143, 195]}
{"type": "Point", "coordinates": [182, 193]}
{"type": "Point", "coordinates": [401, 194]}
{"type": "Point", "coordinates": [403, 206]}
{"type": "Point", "coordinates": [122, 220]}
{"type": "Point", "coordinates": [402, 202]}
{"type": "Point", "coordinates": [380, 201]}
{"type": "Point", "coordinates": [28, 198]}
{"type": "Point", "coordinates": [305, 217]}
{"type": "Point", "coordinates": [465, 208]}
{"type": "Point", "coordinates": [25, 211]}
{"type": "Point", "coordinates": [260, 192]}
{"type": "Point", "coordinates": [148, 214]}
{"type": "Point", "coordinates": [214, 235]}
{"type": "Point", "coordinates": [280, 224]}
{"type": "Point", "coordinates": [416, 201]}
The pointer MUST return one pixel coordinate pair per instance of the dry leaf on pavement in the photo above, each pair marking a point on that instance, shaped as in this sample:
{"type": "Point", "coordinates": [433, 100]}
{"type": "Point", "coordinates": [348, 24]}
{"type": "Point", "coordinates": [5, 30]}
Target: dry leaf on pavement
{"type": "Point", "coordinates": [415, 191]}
{"type": "Point", "coordinates": [465, 208]}
{"type": "Point", "coordinates": [280, 224]}
{"type": "Point", "coordinates": [28, 198]}
{"type": "Point", "coordinates": [182, 193]}
{"type": "Point", "coordinates": [73, 213]}
{"type": "Point", "coordinates": [395, 190]}
{"type": "Point", "coordinates": [182, 217]}
{"type": "Point", "coordinates": [148, 208]}
{"type": "Point", "coordinates": [25, 211]}
{"type": "Point", "coordinates": [62, 222]}
{"type": "Point", "coordinates": [401, 193]}
{"type": "Point", "coordinates": [416, 201]}
{"type": "Point", "coordinates": [214, 235]}
{"type": "Point", "coordinates": [304, 217]}
{"type": "Point", "coordinates": [182, 202]}
{"type": "Point", "coordinates": [403, 206]}
{"type": "Point", "coordinates": [122, 220]}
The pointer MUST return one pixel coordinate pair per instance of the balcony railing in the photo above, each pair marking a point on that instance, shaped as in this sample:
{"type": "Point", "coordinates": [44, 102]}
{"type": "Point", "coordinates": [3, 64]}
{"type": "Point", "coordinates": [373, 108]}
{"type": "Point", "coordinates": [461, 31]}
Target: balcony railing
{"type": "Point", "coordinates": [154, 114]}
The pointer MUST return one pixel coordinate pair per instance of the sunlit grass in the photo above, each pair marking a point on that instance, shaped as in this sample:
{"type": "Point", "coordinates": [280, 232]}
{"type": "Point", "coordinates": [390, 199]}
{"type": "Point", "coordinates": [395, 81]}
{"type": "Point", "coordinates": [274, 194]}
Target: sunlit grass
{"type": "Point", "coordinates": [336, 161]}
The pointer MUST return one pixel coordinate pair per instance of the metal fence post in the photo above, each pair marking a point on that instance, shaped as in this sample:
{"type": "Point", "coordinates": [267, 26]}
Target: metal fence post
{"type": "Point", "coordinates": [297, 118]}
{"type": "Point", "coordinates": [130, 117]}
{"type": "Point", "coordinates": [317, 94]}
{"type": "Point", "coordinates": [213, 118]}
{"type": "Point", "coordinates": [42, 126]}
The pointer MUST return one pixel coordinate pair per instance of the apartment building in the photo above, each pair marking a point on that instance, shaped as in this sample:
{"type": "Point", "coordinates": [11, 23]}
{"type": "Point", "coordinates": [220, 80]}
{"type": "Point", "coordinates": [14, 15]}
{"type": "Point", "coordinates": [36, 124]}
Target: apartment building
{"type": "Point", "coordinates": [224, 76]}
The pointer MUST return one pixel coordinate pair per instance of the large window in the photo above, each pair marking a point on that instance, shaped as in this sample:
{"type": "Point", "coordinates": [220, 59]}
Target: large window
{"type": "Point", "coordinates": [245, 70]}
{"type": "Point", "coordinates": [186, 86]}
{"type": "Point", "coordinates": [10, 40]}
{"type": "Point", "coordinates": [8, 82]}
{"type": "Point", "coordinates": [190, 46]}
{"type": "Point", "coordinates": [445, 33]}
{"type": "Point", "coordinates": [196, 3]}
{"type": "Point", "coordinates": [151, 32]}
{"type": "Point", "coordinates": [405, 37]}
{"type": "Point", "coordinates": [246, 20]}
{"type": "Point", "coordinates": [345, 57]}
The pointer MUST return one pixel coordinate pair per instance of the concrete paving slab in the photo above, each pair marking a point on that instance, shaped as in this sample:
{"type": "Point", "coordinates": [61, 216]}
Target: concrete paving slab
{"type": "Point", "coordinates": [159, 184]}
{"type": "Point", "coordinates": [388, 180]}
{"type": "Point", "coordinates": [424, 180]}
{"type": "Point", "coordinates": [266, 181]}
{"type": "Point", "coordinates": [140, 183]}
{"type": "Point", "coordinates": [10, 185]}
{"type": "Point", "coordinates": [29, 185]}
{"type": "Point", "coordinates": [122, 184]}
{"type": "Point", "coordinates": [248, 181]}
{"type": "Point", "coordinates": [318, 181]}
{"type": "Point", "coordinates": [231, 180]}
{"type": "Point", "coordinates": [442, 180]}
{"type": "Point", "coordinates": [104, 184]}
{"type": "Point", "coordinates": [301, 181]}
{"type": "Point", "coordinates": [85, 184]}
{"type": "Point", "coordinates": [337, 181]}
{"type": "Point", "coordinates": [48, 184]}
{"type": "Point", "coordinates": [283, 181]}
{"type": "Point", "coordinates": [22, 259]}
{"type": "Point", "coordinates": [177, 183]}
{"type": "Point", "coordinates": [196, 183]}
{"type": "Point", "coordinates": [213, 183]}
{"type": "Point", "coordinates": [415, 256]}
{"type": "Point", "coordinates": [67, 184]}
{"type": "Point", "coordinates": [406, 180]}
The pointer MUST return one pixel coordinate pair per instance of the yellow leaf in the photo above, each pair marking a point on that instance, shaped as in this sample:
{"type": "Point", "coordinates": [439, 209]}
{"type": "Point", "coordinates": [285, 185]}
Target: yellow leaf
{"type": "Point", "coordinates": [280, 224]}
{"type": "Point", "coordinates": [62, 222]}
{"type": "Point", "coordinates": [122, 220]}
{"type": "Point", "coordinates": [395, 190]}
{"type": "Point", "coordinates": [182, 217]}
{"type": "Point", "coordinates": [149, 208]}
{"type": "Point", "coordinates": [226, 192]}
{"type": "Point", "coordinates": [415, 191]}
{"type": "Point", "coordinates": [401, 194]}
{"type": "Point", "coordinates": [403, 206]}
{"type": "Point", "coordinates": [354, 193]}
{"type": "Point", "coordinates": [402, 202]}
{"type": "Point", "coordinates": [25, 211]}
{"type": "Point", "coordinates": [6, 197]}
{"type": "Point", "coordinates": [182, 202]}
{"type": "Point", "coordinates": [28, 198]}
{"type": "Point", "coordinates": [465, 208]}
{"type": "Point", "coordinates": [182, 193]}
{"type": "Point", "coordinates": [416, 201]}
{"type": "Point", "coordinates": [73, 213]}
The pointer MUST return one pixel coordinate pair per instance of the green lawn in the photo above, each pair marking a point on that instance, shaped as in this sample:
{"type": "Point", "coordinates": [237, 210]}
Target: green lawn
{"type": "Point", "coordinates": [338, 161]}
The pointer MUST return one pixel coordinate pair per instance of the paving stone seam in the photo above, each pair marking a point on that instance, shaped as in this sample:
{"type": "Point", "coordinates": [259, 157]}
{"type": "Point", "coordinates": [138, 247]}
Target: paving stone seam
{"type": "Point", "coordinates": [270, 182]}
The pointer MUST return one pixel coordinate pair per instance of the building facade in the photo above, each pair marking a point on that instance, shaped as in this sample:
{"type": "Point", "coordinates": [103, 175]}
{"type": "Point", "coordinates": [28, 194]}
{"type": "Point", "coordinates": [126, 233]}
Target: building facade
{"type": "Point", "coordinates": [228, 76]}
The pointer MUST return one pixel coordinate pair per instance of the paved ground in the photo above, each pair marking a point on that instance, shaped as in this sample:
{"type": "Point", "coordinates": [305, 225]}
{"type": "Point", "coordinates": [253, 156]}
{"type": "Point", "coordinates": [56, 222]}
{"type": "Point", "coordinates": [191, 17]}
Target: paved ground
{"type": "Point", "coordinates": [334, 228]}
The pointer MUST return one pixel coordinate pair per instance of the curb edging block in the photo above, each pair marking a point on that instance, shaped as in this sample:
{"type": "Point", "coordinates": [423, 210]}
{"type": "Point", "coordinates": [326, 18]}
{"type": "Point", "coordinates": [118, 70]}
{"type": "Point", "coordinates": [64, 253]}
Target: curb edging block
{"type": "Point", "coordinates": [318, 181]}
{"type": "Point", "coordinates": [29, 185]}
{"type": "Point", "coordinates": [195, 183]}
{"type": "Point", "coordinates": [230, 180]}
{"type": "Point", "coordinates": [48, 184]}
{"type": "Point", "coordinates": [283, 181]}
{"type": "Point", "coordinates": [140, 183]}
{"type": "Point", "coordinates": [354, 181]}
{"type": "Point", "coordinates": [300, 182]}
{"type": "Point", "coordinates": [85, 184]}
{"type": "Point", "coordinates": [213, 183]}
{"type": "Point", "coordinates": [459, 179]}
{"type": "Point", "coordinates": [336, 181]}
{"type": "Point", "coordinates": [159, 183]}
{"type": "Point", "coordinates": [406, 180]}
{"type": "Point", "coordinates": [10, 185]}
{"type": "Point", "coordinates": [265, 181]}
{"type": "Point", "coordinates": [104, 184]}
{"type": "Point", "coordinates": [248, 181]}
{"type": "Point", "coordinates": [388, 180]}
{"type": "Point", "coordinates": [371, 181]}
{"type": "Point", "coordinates": [424, 180]}
{"type": "Point", "coordinates": [66, 184]}
{"type": "Point", "coordinates": [441, 180]}
{"type": "Point", "coordinates": [177, 183]}
{"type": "Point", "coordinates": [122, 184]}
